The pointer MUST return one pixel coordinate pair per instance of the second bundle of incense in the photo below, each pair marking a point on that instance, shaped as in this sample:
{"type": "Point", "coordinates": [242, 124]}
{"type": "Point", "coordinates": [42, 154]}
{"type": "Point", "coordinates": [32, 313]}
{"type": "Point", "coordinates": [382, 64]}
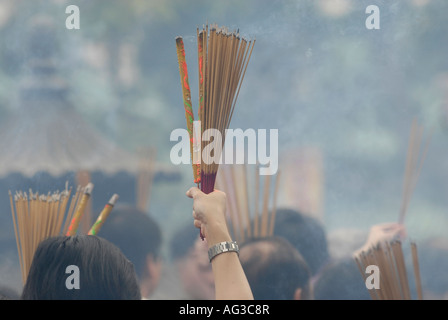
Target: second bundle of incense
{"type": "Point", "coordinates": [39, 216]}
{"type": "Point", "coordinates": [393, 277]}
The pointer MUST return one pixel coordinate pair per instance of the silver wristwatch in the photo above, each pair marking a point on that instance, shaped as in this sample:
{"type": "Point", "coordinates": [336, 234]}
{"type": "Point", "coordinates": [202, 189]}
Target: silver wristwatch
{"type": "Point", "coordinates": [222, 247]}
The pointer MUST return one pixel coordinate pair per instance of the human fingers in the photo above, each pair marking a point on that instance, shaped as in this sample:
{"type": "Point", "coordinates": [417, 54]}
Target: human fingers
{"type": "Point", "coordinates": [401, 231]}
{"type": "Point", "coordinates": [193, 192]}
{"type": "Point", "coordinates": [197, 223]}
{"type": "Point", "coordinates": [397, 229]}
{"type": "Point", "coordinates": [387, 226]}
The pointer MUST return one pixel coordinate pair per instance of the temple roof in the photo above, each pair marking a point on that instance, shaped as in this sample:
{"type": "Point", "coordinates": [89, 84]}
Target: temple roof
{"type": "Point", "coordinates": [46, 133]}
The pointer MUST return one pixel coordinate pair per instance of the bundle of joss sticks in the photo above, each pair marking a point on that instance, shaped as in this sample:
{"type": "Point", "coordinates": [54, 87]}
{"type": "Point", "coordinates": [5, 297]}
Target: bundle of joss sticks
{"type": "Point", "coordinates": [38, 216]}
{"type": "Point", "coordinates": [392, 276]}
{"type": "Point", "coordinates": [251, 200]}
{"type": "Point", "coordinates": [223, 57]}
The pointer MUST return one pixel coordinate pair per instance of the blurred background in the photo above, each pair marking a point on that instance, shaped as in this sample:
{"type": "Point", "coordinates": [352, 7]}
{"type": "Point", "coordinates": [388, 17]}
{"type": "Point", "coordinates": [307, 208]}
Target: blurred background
{"type": "Point", "coordinates": [342, 97]}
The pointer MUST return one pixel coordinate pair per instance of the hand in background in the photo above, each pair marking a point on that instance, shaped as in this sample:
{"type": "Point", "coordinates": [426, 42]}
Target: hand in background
{"type": "Point", "coordinates": [381, 233]}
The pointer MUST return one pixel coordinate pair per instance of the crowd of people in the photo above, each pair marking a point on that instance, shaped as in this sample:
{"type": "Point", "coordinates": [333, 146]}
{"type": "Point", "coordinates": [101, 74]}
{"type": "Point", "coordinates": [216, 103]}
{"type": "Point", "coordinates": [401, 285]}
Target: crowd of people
{"type": "Point", "coordinates": [124, 261]}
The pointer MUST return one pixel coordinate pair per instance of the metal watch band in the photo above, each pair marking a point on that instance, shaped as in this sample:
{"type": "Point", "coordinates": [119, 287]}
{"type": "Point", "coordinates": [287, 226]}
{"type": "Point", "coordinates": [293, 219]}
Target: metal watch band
{"type": "Point", "coordinates": [222, 247]}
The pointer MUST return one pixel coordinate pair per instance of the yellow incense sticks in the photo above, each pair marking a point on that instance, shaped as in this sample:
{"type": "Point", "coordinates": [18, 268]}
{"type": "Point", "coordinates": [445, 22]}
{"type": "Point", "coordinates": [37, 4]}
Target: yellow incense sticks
{"type": "Point", "coordinates": [73, 228]}
{"type": "Point", "coordinates": [103, 215]}
{"type": "Point", "coordinates": [225, 57]}
{"type": "Point", "coordinates": [414, 164]}
{"type": "Point", "coordinates": [37, 217]}
{"type": "Point", "coordinates": [246, 220]}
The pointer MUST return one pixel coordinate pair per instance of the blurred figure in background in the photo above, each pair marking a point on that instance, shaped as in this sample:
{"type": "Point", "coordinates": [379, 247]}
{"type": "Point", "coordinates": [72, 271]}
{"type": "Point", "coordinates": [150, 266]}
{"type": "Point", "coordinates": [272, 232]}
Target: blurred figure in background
{"type": "Point", "coordinates": [189, 254]}
{"type": "Point", "coordinates": [341, 280]}
{"type": "Point", "coordinates": [306, 234]}
{"type": "Point", "coordinates": [139, 237]}
{"type": "Point", "coordinates": [105, 273]}
{"type": "Point", "coordinates": [275, 269]}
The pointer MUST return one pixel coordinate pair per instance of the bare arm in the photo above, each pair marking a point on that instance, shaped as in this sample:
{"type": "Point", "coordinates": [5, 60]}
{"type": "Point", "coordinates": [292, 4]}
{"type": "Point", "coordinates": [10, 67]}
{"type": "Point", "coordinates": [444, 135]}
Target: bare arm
{"type": "Point", "coordinates": [209, 215]}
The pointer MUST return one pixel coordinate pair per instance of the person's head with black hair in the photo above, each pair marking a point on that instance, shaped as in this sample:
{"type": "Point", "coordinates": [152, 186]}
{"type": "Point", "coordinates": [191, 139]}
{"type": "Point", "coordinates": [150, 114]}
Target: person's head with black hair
{"type": "Point", "coordinates": [306, 234]}
{"type": "Point", "coordinates": [189, 254]}
{"type": "Point", "coordinates": [80, 267]}
{"type": "Point", "coordinates": [139, 237]}
{"type": "Point", "coordinates": [275, 269]}
{"type": "Point", "coordinates": [341, 280]}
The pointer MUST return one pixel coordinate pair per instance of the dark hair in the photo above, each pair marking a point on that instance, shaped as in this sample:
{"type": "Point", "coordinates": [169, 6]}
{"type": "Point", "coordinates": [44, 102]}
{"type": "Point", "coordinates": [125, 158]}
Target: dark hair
{"type": "Point", "coordinates": [341, 280]}
{"type": "Point", "coordinates": [274, 269]}
{"type": "Point", "coordinates": [306, 234]}
{"type": "Point", "coordinates": [136, 233]}
{"type": "Point", "coordinates": [104, 272]}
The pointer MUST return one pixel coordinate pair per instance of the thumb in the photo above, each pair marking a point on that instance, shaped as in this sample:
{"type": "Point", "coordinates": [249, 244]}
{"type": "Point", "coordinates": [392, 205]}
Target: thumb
{"type": "Point", "coordinates": [193, 192]}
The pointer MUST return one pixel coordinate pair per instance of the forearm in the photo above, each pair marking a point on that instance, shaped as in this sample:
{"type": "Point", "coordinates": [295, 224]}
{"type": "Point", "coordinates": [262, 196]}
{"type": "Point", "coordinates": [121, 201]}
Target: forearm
{"type": "Point", "coordinates": [209, 215]}
{"type": "Point", "coordinates": [230, 281]}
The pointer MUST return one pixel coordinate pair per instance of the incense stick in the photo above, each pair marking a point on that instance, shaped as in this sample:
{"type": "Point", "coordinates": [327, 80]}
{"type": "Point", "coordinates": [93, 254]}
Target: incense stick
{"type": "Point", "coordinates": [103, 215]}
{"type": "Point", "coordinates": [265, 212]}
{"type": "Point", "coordinates": [361, 267]}
{"type": "Point", "coordinates": [224, 183]}
{"type": "Point", "coordinates": [234, 182]}
{"type": "Point", "coordinates": [413, 167]}
{"type": "Point", "coordinates": [389, 258]}
{"type": "Point", "coordinates": [219, 76]}
{"type": "Point", "coordinates": [257, 195]}
{"type": "Point", "coordinates": [274, 205]}
{"type": "Point", "coordinates": [73, 227]}
{"type": "Point", "coordinates": [223, 58]}
{"type": "Point", "coordinates": [71, 209]}
{"type": "Point", "coordinates": [39, 216]}
{"type": "Point", "coordinates": [83, 178]}
{"type": "Point", "coordinates": [189, 116]}
{"type": "Point", "coordinates": [35, 218]}
{"type": "Point", "coordinates": [246, 208]}
{"type": "Point", "coordinates": [145, 177]}
{"type": "Point", "coordinates": [239, 197]}
{"type": "Point", "coordinates": [416, 265]}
